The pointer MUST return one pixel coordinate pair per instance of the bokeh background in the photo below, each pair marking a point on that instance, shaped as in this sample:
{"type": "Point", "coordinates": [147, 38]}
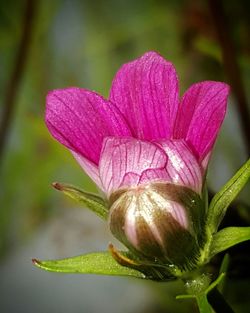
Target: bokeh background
{"type": "Point", "coordinates": [54, 44]}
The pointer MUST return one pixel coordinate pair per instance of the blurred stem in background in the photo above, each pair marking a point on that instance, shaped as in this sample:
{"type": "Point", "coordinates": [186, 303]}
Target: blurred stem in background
{"type": "Point", "coordinates": [235, 78]}
{"type": "Point", "coordinates": [231, 66]}
{"type": "Point", "coordinates": [12, 85]}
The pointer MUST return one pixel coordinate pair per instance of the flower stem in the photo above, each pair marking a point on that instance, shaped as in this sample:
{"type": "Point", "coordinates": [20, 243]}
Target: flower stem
{"type": "Point", "coordinates": [217, 301]}
{"type": "Point", "coordinates": [17, 73]}
{"type": "Point", "coordinates": [231, 66]}
{"type": "Point", "coordinates": [203, 304]}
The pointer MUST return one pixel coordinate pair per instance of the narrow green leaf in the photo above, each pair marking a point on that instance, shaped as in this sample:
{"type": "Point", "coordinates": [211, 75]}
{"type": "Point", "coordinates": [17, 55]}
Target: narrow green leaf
{"type": "Point", "coordinates": [225, 196]}
{"type": "Point", "coordinates": [183, 297]}
{"type": "Point", "coordinates": [227, 238]}
{"type": "Point", "coordinates": [101, 263]}
{"type": "Point", "coordinates": [91, 201]}
{"type": "Point", "coordinates": [223, 269]}
{"type": "Point", "coordinates": [224, 264]}
{"type": "Point", "coordinates": [216, 282]}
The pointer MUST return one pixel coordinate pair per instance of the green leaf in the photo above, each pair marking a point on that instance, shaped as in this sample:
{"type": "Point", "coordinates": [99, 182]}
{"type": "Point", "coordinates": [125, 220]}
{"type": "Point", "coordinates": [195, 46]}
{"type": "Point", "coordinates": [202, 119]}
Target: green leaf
{"type": "Point", "coordinates": [225, 196]}
{"type": "Point", "coordinates": [224, 264]}
{"type": "Point", "coordinates": [223, 269]}
{"type": "Point", "coordinates": [101, 263]}
{"type": "Point", "coordinates": [91, 201]}
{"type": "Point", "coordinates": [227, 238]}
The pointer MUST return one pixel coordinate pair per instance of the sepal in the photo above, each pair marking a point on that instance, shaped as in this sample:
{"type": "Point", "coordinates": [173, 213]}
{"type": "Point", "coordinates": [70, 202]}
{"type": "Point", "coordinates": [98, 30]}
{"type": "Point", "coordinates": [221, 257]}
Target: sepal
{"type": "Point", "coordinates": [101, 263]}
{"type": "Point", "coordinates": [152, 271]}
{"type": "Point", "coordinates": [161, 223]}
{"type": "Point", "coordinates": [91, 201]}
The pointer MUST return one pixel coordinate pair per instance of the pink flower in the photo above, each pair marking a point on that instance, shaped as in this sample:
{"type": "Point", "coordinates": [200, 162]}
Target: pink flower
{"type": "Point", "coordinates": [144, 135]}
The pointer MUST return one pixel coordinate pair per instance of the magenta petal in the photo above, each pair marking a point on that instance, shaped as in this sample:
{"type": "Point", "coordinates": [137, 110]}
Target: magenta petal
{"type": "Point", "coordinates": [182, 166]}
{"type": "Point", "coordinates": [123, 160]}
{"type": "Point", "coordinates": [200, 115]}
{"type": "Point", "coordinates": [146, 92]}
{"type": "Point", "coordinates": [80, 119]}
{"type": "Point", "coordinates": [89, 168]}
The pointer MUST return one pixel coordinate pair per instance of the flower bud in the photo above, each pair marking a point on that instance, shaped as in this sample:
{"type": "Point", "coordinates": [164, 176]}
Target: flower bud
{"type": "Point", "coordinates": [158, 222]}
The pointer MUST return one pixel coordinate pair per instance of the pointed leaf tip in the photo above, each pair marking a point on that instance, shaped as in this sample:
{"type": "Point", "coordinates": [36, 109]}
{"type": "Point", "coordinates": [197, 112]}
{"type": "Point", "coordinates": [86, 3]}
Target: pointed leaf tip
{"type": "Point", "coordinates": [101, 263]}
{"type": "Point", "coordinates": [91, 201]}
{"type": "Point", "coordinates": [57, 186]}
{"type": "Point", "coordinates": [35, 262]}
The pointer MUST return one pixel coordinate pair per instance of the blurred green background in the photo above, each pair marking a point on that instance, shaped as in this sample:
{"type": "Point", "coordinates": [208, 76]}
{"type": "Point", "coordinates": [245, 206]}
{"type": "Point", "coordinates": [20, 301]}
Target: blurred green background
{"type": "Point", "coordinates": [54, 44]}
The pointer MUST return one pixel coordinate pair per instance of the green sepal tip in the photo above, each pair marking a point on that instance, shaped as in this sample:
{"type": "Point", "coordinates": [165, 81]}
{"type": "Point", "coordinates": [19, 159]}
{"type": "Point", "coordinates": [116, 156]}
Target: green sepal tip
{"type": "Point", "coordinates": [91, 201]}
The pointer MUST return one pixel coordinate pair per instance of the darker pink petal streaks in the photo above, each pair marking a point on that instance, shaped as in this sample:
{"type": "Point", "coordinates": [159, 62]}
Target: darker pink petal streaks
{"type": "Point", "coordinates": [143, 133]}
{"type": "Point", "coordinates": [200, 115]}
{"type": "Point", "coordinates": [80, 119]}
{"type": "Point", "coordinates": [146, 92]}
{"type": "Point", "coordinates": [123, 161]}
{"type": "Point", "coordinates": [183, 167]}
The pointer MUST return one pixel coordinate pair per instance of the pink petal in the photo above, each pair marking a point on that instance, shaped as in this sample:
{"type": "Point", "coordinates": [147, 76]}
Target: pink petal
{"type": "Point", "coordinates": [89, 168]}
{"type": "Point", "coordinates": [200, 116]}
{"type": "Point", "coordinates": [80, 119]}
{"type": "Point", "coordinates": [123, 160]}
{"type": "Point", "coordinates": [182, 166]}
{"type": "Point", "coordinates": [146, 92]}
{"type": "Point", "coordinates": [130, 179]}
{"type": "Point", "coordinates": [156, 174]}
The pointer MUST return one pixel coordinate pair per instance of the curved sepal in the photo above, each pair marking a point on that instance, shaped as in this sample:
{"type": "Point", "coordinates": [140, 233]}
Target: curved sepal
{"type": "Point", "coordinates": [223, 198]}
{"type": "Point", "coordinates": [101, 263]}
{"type": "Point", "coordinates": [152, 271]}
{"type": "Point", "coordinates": [228, 237]}
{"type": "Point", "coordinates": [91, 201]}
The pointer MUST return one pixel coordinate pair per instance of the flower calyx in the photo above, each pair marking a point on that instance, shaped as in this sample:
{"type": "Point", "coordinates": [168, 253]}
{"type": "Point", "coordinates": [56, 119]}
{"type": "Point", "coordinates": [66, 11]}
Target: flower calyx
{"type": "Point", "coordinates": [161, 224]}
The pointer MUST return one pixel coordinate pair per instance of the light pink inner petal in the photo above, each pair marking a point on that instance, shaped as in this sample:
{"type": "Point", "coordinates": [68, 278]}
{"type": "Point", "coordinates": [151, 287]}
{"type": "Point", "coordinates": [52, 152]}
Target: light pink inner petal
{"type": "Point", "coordinates": [157, 174]}
{"type": "Point", "coordinates": [123, 157]}
{"type": "Point", "coordinates": [182, 166]}
{"type": "Point", "coordinates": [146, 92]}
{"type": "Point", "coordinates": [130, 179]}
{"type": "Point", "coordinates": [80, 119]}
{"type": "Point", "coordinates": [201, 114]}
{"type": "Point", "coordinates": [89, 168]}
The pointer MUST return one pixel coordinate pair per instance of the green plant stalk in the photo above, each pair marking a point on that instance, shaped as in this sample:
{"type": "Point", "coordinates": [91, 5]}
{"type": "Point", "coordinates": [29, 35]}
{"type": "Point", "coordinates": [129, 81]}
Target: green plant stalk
{"type": "Point", "coordinates": [203, 304]}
